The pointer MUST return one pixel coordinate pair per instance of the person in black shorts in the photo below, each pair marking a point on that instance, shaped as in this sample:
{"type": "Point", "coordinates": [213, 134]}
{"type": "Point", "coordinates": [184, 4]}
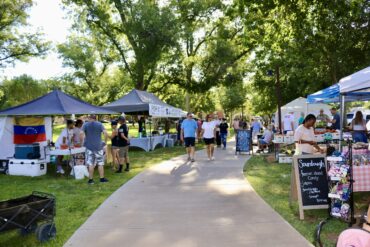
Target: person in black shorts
{"type": "Point", "coordinates": [188, 129]}
{"type": "Point", "coordinates": [209, 133]}
{"type": "Point", "coordinates": [123, 143]}
{"type": "Point", "coordinates": [115, 146]}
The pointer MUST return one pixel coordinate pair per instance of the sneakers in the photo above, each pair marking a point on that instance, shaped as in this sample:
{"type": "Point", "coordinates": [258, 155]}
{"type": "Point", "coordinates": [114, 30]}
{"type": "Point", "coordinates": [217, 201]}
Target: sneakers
{"type": "Point", "coordinates": [212, 158]}
{"type": "Point", "coordinates": [192, 160]}
{"type": "Point", "coordinates": [103, 180]}
{"type": "Point", "coordinates": [91, 181]}
{"type": "Point", "coordinates": [189, 159]}
{"type": "Point", "coordinates": [209, 159]}
{"type": "Point", "coordinates": [224, 148]}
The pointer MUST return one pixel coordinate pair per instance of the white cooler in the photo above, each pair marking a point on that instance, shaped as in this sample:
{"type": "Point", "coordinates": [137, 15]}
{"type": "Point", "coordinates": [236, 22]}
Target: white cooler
{"type": "Point", "coordinates": [25, 167]}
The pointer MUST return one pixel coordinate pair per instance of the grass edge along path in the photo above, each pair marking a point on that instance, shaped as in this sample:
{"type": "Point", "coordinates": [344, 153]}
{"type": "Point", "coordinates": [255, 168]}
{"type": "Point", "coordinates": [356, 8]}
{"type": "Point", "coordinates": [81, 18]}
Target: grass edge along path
{"type": "Point", "coordinates": [272, 183]}
{"type": "Point", "coordinates": [76, 200]}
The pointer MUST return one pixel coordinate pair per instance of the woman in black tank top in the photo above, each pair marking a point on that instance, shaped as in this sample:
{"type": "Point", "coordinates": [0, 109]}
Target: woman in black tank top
{"type": "Point", "coordinates": [115, 145]}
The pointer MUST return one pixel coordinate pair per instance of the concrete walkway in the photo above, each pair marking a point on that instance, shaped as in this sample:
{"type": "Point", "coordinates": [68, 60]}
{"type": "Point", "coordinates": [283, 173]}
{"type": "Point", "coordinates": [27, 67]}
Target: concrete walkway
{"type": "Point", "coordinates": [177, 203]}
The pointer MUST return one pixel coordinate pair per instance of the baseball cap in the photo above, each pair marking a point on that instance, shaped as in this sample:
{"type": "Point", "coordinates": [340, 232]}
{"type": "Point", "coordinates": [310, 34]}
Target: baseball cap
{"type": "Point", "coordinates": [121, 118]}
{"type": "Point", "coordinates": [113, 122]}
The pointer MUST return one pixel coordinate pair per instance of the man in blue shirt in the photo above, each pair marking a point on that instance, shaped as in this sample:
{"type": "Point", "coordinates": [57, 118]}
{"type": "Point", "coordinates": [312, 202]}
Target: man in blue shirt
{"type": "Point", "coordinates": [335, 122]}
{"type": "Point", "coordinates": [188, 129]}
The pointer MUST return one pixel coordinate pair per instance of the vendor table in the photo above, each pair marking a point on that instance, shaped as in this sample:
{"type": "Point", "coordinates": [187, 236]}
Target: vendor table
{"type": "Point", "coordinates": [143, 143]}
{"type": "Point", "coordinates": [361, 177]}
{"type": "Point", "coordinates": [148, 143]}
{"type": "Point", "coordinates": [67, 151]}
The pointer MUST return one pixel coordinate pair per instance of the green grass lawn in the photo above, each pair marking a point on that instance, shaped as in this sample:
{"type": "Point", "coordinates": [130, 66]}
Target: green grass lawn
{"type": "Point", "coordinates": [272, 183]}
{"type": "Point", "coordinates": [76, 200]}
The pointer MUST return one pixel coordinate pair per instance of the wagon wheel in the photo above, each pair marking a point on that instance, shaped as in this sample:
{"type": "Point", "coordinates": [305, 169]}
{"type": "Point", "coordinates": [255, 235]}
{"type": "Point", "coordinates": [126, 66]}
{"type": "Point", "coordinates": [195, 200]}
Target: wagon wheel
{"type": "Point", "coordinates": [32, 228]}
{"type": "Point", "coordinates": [46, 232]}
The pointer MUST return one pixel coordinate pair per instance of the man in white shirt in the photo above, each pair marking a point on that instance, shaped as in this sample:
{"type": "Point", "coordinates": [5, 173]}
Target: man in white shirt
{"type": "Point", "coordinates": [288, 122]}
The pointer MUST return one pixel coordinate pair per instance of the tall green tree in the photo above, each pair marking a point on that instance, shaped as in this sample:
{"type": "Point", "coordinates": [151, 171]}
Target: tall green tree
{"type": "Point", "coordinates": [139, 31]}
{"type": "Point", "coordinates": [20, 90]}
{"type": "Point", "coordinates": [17, 44]}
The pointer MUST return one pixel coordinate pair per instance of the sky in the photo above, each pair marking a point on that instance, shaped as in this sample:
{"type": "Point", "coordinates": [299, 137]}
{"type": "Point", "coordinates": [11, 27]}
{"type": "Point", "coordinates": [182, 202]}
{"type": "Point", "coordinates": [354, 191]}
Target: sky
{"type": "Point", "coordinates": [50, 18]}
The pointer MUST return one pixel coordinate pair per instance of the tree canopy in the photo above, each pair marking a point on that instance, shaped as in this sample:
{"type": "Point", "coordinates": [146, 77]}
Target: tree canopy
{"type": "Point", "coordinates": [17, 44]}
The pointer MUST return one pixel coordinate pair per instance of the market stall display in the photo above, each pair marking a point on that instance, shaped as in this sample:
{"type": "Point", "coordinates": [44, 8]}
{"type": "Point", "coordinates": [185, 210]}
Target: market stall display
{"type": "Point", "coordinates": [26, 131]}
{"type": "Point", "coordinates": [138, 102]}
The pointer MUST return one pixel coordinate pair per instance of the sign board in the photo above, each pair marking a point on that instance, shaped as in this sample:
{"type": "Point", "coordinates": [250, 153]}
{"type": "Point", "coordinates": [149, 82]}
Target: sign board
{"type": "Point", "coordinates": [310, 179]}
{"type": "Point", "coordinates": [164, 111]}
{"type": "Point", "coordinates": [243, 141]}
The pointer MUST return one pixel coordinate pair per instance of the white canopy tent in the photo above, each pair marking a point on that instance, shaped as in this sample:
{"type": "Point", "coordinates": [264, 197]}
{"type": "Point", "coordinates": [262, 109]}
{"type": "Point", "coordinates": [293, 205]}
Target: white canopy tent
{"type": "Point", "coordinates": [300, 105]}
{"type": "Point", "coordinates": [356, 82]}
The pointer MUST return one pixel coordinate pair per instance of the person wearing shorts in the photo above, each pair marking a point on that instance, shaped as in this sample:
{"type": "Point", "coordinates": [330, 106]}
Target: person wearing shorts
{"type": "Point", "coordinates": [94, 147]}
{"type": "Point", "coordinates": [209, 133]}
{"type": "Point", "coordinates": [115, 146]}
{"type": "Point", "coordinates": [123, 144]}
{"type": "Point", "coordinates": [188, 130]}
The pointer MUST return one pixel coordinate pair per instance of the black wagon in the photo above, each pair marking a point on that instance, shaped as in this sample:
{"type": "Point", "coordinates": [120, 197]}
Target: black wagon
{"type": "Point", "coordinates": [30, 214]}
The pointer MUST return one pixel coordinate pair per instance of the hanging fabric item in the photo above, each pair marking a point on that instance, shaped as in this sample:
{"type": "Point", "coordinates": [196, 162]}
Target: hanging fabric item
{"type": "Point", "coordinates": [29, 130]}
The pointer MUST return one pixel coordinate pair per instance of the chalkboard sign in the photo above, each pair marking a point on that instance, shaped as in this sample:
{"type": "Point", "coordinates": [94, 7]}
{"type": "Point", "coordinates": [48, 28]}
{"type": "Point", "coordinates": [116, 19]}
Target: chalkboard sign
{"type": "Point", "coordinates": [311, 182]}
{"type": "Point", "coordinates": [243, 141]}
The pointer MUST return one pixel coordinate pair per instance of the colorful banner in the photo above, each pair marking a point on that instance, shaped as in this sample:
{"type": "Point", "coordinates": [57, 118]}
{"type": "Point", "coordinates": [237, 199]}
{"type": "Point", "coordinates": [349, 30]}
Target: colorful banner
{"type": "Point", "coordinates": [28, 130]}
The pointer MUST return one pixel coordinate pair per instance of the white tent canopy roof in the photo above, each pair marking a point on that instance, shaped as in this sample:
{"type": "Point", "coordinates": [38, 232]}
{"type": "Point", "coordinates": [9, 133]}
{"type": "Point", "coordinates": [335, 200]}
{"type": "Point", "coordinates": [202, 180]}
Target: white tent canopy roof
{"type": "Point", "coordinates": [356, 82]}
{"type": "Point", "coordinates": [300, 105]}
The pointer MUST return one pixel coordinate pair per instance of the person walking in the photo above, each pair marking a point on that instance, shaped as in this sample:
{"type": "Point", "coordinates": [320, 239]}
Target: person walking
{"type": "Point", "coordinates": [236, 124]}
{"type": "Point", "coordinates": [208, 133]}
{"type": "Point", "coordinates": [94, 147]}
{"type": "Point", "coordinates": [115, 145]}
{"type": "Point", "coordinates": [218, 136]}
{"type": "Point", "coordinates": [199, 130]}
{"type": "Point", "coordinates": [188, 129]}
{"type": "Point", "coordinates": [123, 144]}
{"type": "Point", "coordinates": [224, 129]}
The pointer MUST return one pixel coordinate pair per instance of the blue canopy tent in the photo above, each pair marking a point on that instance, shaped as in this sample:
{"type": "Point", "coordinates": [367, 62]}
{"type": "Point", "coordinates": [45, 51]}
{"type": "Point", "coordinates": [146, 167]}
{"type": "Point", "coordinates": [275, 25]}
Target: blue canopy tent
{"type": "Point", "coordinates": [332, 95]}
{"type": "Point", "coordinates": [55, 103]}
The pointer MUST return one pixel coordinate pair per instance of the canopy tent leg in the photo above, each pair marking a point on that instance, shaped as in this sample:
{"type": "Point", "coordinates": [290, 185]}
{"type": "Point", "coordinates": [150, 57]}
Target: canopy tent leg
{"type": "Point", "coordinates": [342, 107]}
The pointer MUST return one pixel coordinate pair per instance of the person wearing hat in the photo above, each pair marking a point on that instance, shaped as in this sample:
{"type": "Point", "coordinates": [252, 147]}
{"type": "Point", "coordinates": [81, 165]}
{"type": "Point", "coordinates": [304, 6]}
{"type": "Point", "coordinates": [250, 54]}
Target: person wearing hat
{"type": "Point", "coordinates": [94, 147]}
{"type": "Point", "coordinates": [123, 144]}
{"type": "Point", "coordinates": [115, 145]}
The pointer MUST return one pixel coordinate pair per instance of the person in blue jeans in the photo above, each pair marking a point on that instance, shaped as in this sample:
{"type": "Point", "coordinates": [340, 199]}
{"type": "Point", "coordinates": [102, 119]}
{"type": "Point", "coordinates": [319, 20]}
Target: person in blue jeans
{"type": "Point", "coordinates": [224, 127]}
{"type": "Point", "coordinates": [188, 130]}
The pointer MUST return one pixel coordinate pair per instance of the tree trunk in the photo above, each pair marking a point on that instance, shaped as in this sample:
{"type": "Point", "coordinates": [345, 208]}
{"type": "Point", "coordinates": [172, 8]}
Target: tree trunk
{"type": "Point", "coordinates": [139, 85]}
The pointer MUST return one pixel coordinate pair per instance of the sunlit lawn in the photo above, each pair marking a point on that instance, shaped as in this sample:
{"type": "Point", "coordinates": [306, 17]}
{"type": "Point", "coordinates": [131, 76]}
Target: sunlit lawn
{"type": "Point", "coordinates": [76, 200]}
{"type": "Point", "coordinates": [272, 183]}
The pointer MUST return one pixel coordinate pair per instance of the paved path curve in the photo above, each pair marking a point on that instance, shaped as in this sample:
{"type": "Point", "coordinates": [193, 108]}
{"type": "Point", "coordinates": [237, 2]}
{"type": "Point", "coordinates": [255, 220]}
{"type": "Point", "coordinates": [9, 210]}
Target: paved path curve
{"type": "Point", "coordinates": [177, 203]}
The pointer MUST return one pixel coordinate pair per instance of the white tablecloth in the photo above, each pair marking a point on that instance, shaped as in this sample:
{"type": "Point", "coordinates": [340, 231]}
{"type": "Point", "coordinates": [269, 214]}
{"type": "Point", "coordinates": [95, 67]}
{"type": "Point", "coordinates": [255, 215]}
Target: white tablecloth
{"type": "Point", "coordinates": [148, 143]}
{"type": "Point", "coordinates": [67, 151]}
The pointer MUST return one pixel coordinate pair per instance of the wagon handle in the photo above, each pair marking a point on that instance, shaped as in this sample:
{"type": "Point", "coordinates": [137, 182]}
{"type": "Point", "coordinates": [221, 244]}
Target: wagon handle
{"type": "Point", "coordinates": [43, 194]}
